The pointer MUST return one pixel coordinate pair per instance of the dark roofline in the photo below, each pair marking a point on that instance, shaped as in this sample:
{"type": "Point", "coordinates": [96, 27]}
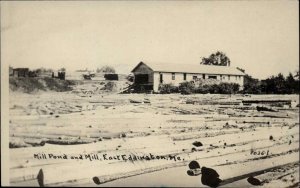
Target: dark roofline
{"type": "Point", "coordinates": [20, 68]}
{"type": "Point", "coordinates": [139, 65]}
{"type": "Point", "coordinates": [241, 74]}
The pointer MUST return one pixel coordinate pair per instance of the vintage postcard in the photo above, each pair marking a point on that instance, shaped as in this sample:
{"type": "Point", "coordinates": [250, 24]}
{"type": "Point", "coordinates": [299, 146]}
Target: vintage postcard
{"type": "Point", "coordinates": [150, 93]}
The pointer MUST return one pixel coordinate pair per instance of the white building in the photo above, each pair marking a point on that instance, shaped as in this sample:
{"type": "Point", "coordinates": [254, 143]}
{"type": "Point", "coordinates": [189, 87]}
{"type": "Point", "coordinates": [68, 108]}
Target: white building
{"type": "Point", "coordinates": [148, 76]}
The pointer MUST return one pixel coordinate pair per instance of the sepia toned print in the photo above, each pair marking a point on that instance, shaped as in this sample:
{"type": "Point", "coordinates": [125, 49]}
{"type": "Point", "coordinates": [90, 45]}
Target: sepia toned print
{"type": "Point", "coordinates": [171, 93]}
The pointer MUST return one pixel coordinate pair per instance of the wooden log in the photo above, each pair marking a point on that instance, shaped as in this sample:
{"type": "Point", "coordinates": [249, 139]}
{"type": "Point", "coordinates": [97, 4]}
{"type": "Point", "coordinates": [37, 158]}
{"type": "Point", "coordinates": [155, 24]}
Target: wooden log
{"type": "Point", "coordinates": [232, 176]}
{"type": "Point", "coordinates": [35, 142]}
{"type": "Point", "coordinates": [206, 158]}
{"type": "Point", "coordinates": [32, 135]}
{"type": "Point", "coordinates": [254, 173]}
{"type": "Point", "coordinates": [135, 101]}
{"type": "Point", "coordinates": [69, 142]}
{"type": "Point", "coordinates": [279, 103]}
{"type": "Point", "coordinates": [27, 183]}
{"type": "Point", "coordinates": [59, 180]}
{"type": "Point", "coordinates": [259, 135]}
{"type": "Point", "coordinates": [52, 134]}
{"type": "Point", "coordinates": [22, 176]}
{"type": "Point", "coordinates": [103, 179]}
{"type": "Point", "coordinates": [225, 172]}
{"type": "Point", "coordinates": [105, 102]}
{"type": "Point", "coordinates": [181, 137]}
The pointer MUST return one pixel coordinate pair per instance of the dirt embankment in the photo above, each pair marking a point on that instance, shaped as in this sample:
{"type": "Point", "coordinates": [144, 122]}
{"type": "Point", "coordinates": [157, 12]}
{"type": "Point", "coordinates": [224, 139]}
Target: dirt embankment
{"type": "Point", "coordinates": [29, 85]}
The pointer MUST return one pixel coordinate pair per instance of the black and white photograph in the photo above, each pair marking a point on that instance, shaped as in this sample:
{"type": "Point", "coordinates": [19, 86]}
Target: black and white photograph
{"type": "Point", "coordinates": [150, 93]}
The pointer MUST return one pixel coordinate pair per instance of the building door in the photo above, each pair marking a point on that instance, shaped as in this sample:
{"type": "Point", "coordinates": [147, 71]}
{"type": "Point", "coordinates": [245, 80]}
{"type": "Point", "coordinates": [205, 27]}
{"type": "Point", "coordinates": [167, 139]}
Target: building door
{"type": "Point", "coordinates": [141, 78]}
{"type": "Point", "coordinates": [161, 78]}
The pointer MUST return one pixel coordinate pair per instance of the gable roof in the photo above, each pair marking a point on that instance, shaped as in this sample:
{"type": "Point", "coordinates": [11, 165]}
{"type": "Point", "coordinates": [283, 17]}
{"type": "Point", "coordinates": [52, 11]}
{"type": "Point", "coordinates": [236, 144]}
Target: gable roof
{"type": "Point", "coordinates": [195, 68]}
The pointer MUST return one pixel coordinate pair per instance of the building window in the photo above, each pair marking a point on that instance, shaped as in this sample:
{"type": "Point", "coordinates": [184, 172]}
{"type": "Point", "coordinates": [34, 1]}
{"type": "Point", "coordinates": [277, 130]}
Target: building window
{"type": "Point", "coordinates": [173, 76]}
{"type": "Point", "coordinates": [228, 77]}
{"type": "Point", "coordinates": [194, 77]}
{"type": "Point", "coordinates": [160, 78]}
{"type": "Point", "coordinates": [212, 77]}
{"type": "Point", "coordinates": [220, 77]}
{"type": "Point", "coordinates": [184, 76]}
{"type": "Point", "coordinates": [203, 76]}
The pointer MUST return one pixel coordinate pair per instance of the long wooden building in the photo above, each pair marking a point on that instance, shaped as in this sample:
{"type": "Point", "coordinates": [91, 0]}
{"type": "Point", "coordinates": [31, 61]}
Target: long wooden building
{"type": "Point", "coordinates": [149, 75]}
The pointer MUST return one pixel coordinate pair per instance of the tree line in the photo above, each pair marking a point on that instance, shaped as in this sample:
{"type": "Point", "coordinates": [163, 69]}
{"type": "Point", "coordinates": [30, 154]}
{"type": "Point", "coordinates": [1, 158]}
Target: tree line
{"type": "Point", "coordinates": [272, 85]}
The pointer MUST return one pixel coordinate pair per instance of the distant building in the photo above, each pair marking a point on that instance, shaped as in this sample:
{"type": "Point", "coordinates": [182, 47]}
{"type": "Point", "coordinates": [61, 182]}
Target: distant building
{"type": "Point", "coordinates": [111, 76]}
{"type": "Point", "coordinates": [59, 74]}
{"type": "Point", "coordinates": [20, 72]}
{"type": "Point", "coordinates": [148, 76]}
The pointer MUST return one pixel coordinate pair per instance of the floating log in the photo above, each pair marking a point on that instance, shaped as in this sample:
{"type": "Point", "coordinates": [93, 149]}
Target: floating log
{"type": "Point", "coordinates": [70, 168]}
{"type": "Point", "coordinates": [264, 108]}
{"type": "Point", "coordinates": [35, 142]}
{"type": "Point", "coordinates": [105, 102]}
{"type": "Point", "coordinates": [246, 173]}
{"type": "Point", "coordinates": [135, 101]}
{"type": "Point", "coordinates": [268, 164]}
{"type": "Point", "coordinates": [22, 178]}
{"type": "Point", "coordinates": [69, 142]}
{"type": "Point", "coordinates": [56, 133]}
{"type": "Point", "coordinates": [213, 102]}
{"type": "Point", "coordinates": [32, 135]}
{"type": "Point", "coordinates": [103, 179]}
{"type": "Point", "coordinates": [270, 102]}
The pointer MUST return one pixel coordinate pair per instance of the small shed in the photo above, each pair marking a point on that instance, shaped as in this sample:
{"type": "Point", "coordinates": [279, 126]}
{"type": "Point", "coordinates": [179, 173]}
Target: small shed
{"type": "Point", "coordinates": [59, 74]}
{"type": "Point", "coordinates": [111, 77]}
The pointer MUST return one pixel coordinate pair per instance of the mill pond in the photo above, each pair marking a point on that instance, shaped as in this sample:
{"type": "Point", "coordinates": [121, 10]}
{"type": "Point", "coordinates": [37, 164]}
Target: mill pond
{"type": "Point", "coordinates": [227, 133]}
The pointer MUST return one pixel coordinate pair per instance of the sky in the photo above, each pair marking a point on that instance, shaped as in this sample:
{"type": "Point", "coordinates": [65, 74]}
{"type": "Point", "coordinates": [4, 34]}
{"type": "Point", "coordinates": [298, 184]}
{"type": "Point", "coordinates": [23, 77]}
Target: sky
{"type": "Point", "coordinates": [261, 37]}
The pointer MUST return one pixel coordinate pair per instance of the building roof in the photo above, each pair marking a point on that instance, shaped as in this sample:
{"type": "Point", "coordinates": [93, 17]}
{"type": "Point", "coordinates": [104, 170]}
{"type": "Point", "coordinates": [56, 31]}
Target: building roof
{"type": "Point", "coordinates": [196, 68]}
{"type": "Point", "coordinates": [21, 69]}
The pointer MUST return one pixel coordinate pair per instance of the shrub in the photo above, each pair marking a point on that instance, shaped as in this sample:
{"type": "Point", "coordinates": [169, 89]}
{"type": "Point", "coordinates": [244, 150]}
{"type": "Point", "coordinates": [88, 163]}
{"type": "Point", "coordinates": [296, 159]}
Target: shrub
{"type": "Point", "coordinates": [167, 89]}
{"type": "Point", "coordinates": [187, 88]}
{"type": "Point", "coordinates": [58, 85]}
{"type": "Point", "coordinates": [202, 89]}
{"type": "Point", "coordinates": [227, 88]}
{"type": "Point", "coordinates": [130, 78]}
{"type": "Point", "coordinates": [215, 88]}
{"type": "Point", "coordinates": [28, 85]}
{"type": "Point", "coordinates": [222, 88]}
{"type": "Point", "coordinates": [110, 86]}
